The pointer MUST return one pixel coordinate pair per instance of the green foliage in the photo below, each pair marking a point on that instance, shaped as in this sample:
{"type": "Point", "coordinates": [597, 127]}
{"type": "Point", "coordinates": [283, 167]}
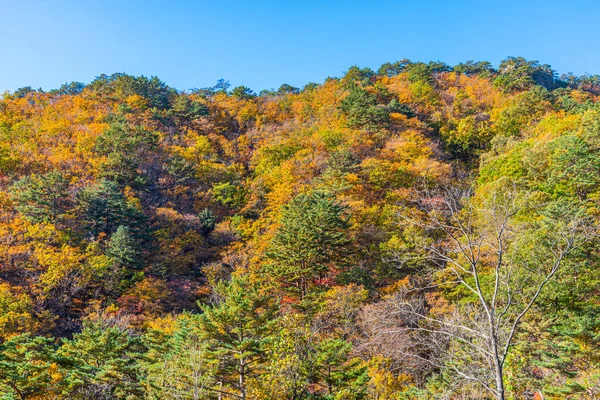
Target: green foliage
{"type": "Point", "coordinates": [517, 73]}
{"type": "Point", "coordinates": [124, 149]}
{"type": "Point", "coordinates": [311, 241]}
{"type": "Point", "coordinates": [242, 92]}
{"type": "Point", "coordinates": [393, 69]}
{"type": "Point", "coordinates": [208, 221]}
{"type": "Point", "coordinates": [102, 208]}
{"type": "Point", "coordinates": [236, 331]}
{"type": "Point", "coordinates": [228, 194]}
{"type": "Point", "coordinates": [27, 367]}
{"type": "Point", "coordinates": [471, 67]}
{"type": "Point", "coordinates": [186, 110]}
{"type": "Point", "coordinates": [122, 85]}
{"type": "Point", "coordinates": [285, 88]}
{"type": "Point", "coordinates": [42, 198]}
{"type": "Point", "coordinates": [273, 155]}
{"type": "Point", "coordinates": [177, 365]}
{"type": "Point", "coordinates": [123, 249]}
{"type": "Point", "coordinates": [70, 88]}
{"type": "Point", "coordinates": [291, 361]}
{"type": "Point", "coordinates": [103, 361]}
{"type": "Point", "coordinates": [363, 110]}
{"type": "Point", "coordinates": [340, 376]}
{"type": "Point", "coordinates": [358, 76]}
{"type": "Point", "coordinates": [467, 139]}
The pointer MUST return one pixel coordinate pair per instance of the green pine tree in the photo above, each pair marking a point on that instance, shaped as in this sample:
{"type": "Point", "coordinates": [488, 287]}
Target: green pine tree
{"type": "Point", "coordinates": [102, 208]}
{"type": "Point", "coordinates": [237, 330]}
{"type": "Point", "coordinates": [341, 376]}
{"type": "Point", "coordinates": [177, 365]}
{"type": "Point", "coordinates": [26, 367]}
{"type": "Point", "coordinates": [42, 198]}
{"type": "Point", "coordinates": [124, 249]}
{"type": "Point", "coordinates": [311, 242]}
{"type": "Point", "coordinates": [104, 359]}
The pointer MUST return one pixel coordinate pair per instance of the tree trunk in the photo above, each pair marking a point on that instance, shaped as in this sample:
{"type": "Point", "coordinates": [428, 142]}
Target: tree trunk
{"type": "Point", "coordinates": [242, 379]}
{"type": "Point", "coordinates": [499, 380]}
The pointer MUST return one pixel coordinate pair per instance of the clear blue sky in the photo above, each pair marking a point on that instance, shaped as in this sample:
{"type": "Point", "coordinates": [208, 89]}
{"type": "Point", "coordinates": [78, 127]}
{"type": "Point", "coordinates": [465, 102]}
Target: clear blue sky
{"type": "Point", "coordinates": [262, 44]}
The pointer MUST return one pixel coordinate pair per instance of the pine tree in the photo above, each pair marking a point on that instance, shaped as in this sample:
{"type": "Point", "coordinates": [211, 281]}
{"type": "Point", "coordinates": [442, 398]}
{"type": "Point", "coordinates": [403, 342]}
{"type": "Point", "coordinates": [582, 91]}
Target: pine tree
{"type": "Point", "coordinates": [104, 360]}
{"type": "Point", "coordinates": [364, 111]}
{"type": "Point", "coordinates": [124, 249]}
{"type": "Point", "coordinates": [237, 330]}
{"type": "Point", "coordinates": [341, 376]}
{"type": "Point", "coordinates": [177, 365]}
{"type": "Point", "coordinates": [310, 243]}
{"type": "Point", "coordinates": [207, 221]}
{"type": "Point", "coordinates": [42, 198]}
{"type": "Point", "coordinates": [27, 367]}
{"type": "Point", "coordinates": [102, 208]}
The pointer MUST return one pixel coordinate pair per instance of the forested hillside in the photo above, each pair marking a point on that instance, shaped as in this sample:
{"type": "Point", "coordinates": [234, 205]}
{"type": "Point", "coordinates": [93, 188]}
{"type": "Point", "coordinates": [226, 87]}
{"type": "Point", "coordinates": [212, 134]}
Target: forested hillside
{"type": "Point", "coordinates": [418, 232]}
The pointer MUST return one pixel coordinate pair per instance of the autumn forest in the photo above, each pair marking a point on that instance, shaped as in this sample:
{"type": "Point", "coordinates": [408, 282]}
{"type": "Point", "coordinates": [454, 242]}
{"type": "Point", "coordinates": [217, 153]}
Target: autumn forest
{"type": "Point", "coordinates": [420, 231]}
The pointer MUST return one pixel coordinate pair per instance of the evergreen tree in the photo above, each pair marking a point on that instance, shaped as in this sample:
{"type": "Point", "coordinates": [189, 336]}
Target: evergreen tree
{"type": "Point", "coordinates": [208, 221]}
{"type": "Point", "coordinates": [104, 361]}
{"type": "Point", "coordinates": [102, 208]}
{"type": "Point", "coordinates": [363, 110]}
{"type": "Point", "coordinates": [125, 149]}
{"type": "Point", "coordinates": [311, 242]}
{"type": "Point", "coordinates": [27, 367]}
{"type": "Point", "coordinates": [42, 198]}
{"type": "Point", "coordinates": [341, 376]}
{"type": "Point", "coordinates": [237, 330]}
{"type": "Point", "coordinates": [177, 365]}
{"type": "Point", "coordinates": [124, 249]}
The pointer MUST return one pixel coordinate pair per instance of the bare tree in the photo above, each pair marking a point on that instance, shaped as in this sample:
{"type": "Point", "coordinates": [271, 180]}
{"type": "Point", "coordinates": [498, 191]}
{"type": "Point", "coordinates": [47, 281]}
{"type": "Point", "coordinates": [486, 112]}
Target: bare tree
{"type": "Point", "coordinates": [384, 328]}
{"type": "Point", "coordinates": [499, 262]}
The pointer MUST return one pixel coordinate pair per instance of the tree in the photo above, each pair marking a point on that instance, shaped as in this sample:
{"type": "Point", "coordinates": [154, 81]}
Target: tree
{"type": "Point", "coordinates": [243, 92]}
{"type": "Point", "coordinates": [285, 88]}
{"type": "Point", "coordinates": [207, 220]}
{"type": "Point", "coordinates": [121, 85]}
{"type": "Point", "coordinates": [517, 73]}
{"type": "Point", "coordinates": [16, 311]}
{"type": "Point", "coordinates": [27, 367]}
{"type": "Point", "coordinates": [125, 149]}
{"type": "Point", "coordinates": [177, 364]}
{"type": "Point", "coordinates": [222, 86]}
{"type": "Point", "coordinates": [237, 329]}
{"type": "Point", "coordinates": [499, 265]}
{"type": "Point", "coordinates": [24, 91]}
{"type": "Point", "coordinates": [102, 208]}
{"type": "Point", "coordinates": [311, 243]}
{"type": "Point", "coordinates": [393, 69]}
{"type": "Point", "coordinates": [70, 88]}
{"type": "Point", "coordinates": [471, 67]}
{"type": "Point", "coordinates": [289, 368]}
{"type": "Point", "coordinates": [363, 110]}
{"type": "Point", "coordinates": [126, 259]}
{"type": "Point", "coordinates": [341, 376]}
{"type": "Point", "coordinates": [124, 249]}
{"type": "Point", "coordinates": [301, 365]}
{"type": "Point", "coordinates": [104, 360]}
{"type": "Point", "coordinates": [42, 198]}
{"type": "Point", "coordinates": [186, 110]}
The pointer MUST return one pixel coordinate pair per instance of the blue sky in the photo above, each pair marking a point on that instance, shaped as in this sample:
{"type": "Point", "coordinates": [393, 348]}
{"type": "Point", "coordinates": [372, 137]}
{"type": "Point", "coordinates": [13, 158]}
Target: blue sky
{"type": "Point", "coordinates": [262, 44]}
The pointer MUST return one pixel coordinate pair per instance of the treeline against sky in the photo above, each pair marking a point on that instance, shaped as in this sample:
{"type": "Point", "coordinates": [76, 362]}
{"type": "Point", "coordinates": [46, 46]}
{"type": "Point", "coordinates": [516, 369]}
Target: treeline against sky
{"type": "Point", "coordinates": [346, 240]}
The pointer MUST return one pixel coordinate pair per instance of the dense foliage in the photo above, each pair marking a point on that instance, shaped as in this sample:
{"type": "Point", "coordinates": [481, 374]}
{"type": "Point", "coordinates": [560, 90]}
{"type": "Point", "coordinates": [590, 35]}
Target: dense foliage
{"type": "Point", "coordinates": [346, 240]}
